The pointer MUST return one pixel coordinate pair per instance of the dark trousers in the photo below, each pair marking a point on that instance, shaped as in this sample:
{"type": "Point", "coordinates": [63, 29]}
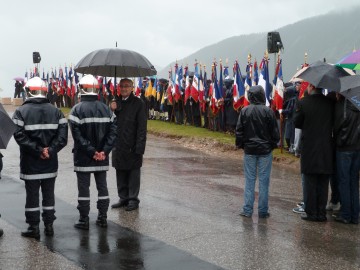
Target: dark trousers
{"type": "Point", "coordinates": [128, 184]}
{"type": "Point", "coordinates": [32, 208]}
{"type": "Point", "coordinates": [83, 179]}
{"type": "Point", "coordinates": [316, 190]}
{"type": "Point", "coordinates": [348, 165]}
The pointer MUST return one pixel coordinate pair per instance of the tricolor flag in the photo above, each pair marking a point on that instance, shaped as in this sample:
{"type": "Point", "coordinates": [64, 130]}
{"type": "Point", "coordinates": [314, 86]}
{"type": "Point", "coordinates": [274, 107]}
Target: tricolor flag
{"type": "Point", "coordinates": [248, 83]}
{"type": "Point", "coordinates": [195, 84]}
{"type": "Point", "coordinates": [279, 89]}
{"type": "Point", "coordinates": [264, 80]}
{"type": "Point", "coordinates": [154, 89]}
{"type": "Point", "coordinates": [177, 83]}
{"type": "Point", "coordinates": [256, 74]}
{"type": "Point", "coordinates": [139, 86]}
{"type": "Point", "coordinates": [238, 88]}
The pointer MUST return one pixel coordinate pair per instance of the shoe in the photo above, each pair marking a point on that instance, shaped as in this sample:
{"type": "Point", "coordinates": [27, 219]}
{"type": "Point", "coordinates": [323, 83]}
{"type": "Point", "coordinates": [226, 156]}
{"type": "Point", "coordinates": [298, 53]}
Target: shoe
{"type": "Point", "coordinates": [119, 204]}
{"type": "Point", "coordinates": [243, 214]}
{"type": "Point", "coordinates": [342, 220]}
{"type": "Point", "coordinates": [300, 204]}
{"type": "Point", "coordinates": [266, 215]}
{"type": "Point", "coordinates": [333, 207]}
{"type": "Point", "coordinates": [321, 218]}
{"type": "Point", "coordinates": [354, 221]}
{"type": "Point", "coordinates": [49, 229]}
{"type": "Point", "coordinates": [83, 223]}
{"type": "Point", "coordinates": [308, 218]}
{"type": "Point", "coordinates": [101, 221]}
{"type": "Point", "coordinates": [1, 232]}
{"type": "Point", "coordinates": [32, 232]}
{"type": "Point", "coordinates": [131, 207]}
{"type": "Point", "coordinates": [298, 210]}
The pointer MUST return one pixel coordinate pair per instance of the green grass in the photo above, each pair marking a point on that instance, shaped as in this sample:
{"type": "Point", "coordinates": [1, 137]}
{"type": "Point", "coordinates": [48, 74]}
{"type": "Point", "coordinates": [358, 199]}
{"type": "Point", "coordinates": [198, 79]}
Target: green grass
{"type": "Point", "coordinates": [175, 130]}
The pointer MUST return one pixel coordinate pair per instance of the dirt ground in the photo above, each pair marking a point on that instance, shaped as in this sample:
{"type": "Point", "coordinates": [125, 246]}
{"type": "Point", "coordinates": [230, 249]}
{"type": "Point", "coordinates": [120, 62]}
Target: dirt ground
{"type": "Point", "coordinates": [213, 147]}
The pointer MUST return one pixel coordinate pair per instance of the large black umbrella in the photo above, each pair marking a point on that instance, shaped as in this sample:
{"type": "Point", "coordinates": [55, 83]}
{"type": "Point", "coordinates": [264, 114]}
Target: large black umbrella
{"type": "Point", "coordinates": [350, 89]}
{"type": "Point", "coordinates": [7, 128]}
{"type": "Point", "coordinates": [323, 75]}
{"type": "Point", "coordinates": [115, 62]}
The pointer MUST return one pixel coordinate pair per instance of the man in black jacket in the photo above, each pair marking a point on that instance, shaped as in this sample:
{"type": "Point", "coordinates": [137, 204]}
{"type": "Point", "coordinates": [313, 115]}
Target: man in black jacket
{"type": "Point", "coordinates": [258, 134]}
{"type": "Point", "coordinates": [41, 133]}
{"type": "Point", "coordinates": [347, 138]}
{"type": "Point", "coordinates": [130, 144]}
{"type": "Point", "coordinates": [314, 115]}
{"type": "Point", "coordinates": [93, 127]}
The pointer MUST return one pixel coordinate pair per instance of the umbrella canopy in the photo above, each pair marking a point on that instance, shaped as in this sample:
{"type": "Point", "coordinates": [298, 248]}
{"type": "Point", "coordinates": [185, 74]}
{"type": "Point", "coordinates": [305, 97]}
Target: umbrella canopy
{"type": "Point", "coordinates": [351, 61]}
{"type": "Point", "coordinates": [7, 128]}
{"type": "Point", "coordinates": [115, 62]}
{"type": "Point", "coordinates": [295, 77]}
{"type": "Point", "coordinates": [20, 79]}
{"type": "Point", "coordinates": [324, 75]}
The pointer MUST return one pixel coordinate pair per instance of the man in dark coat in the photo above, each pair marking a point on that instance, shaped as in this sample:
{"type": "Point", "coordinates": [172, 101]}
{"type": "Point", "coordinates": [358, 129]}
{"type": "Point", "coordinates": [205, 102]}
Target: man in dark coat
{"type": "Point", "coordinates": [130, 144]}
{"type": "Point", "coordinates": [41, 133]}
{"type": "Point", "coordinates": [314, 115]}
{"type": "Point", "coordinates": [347, 138]}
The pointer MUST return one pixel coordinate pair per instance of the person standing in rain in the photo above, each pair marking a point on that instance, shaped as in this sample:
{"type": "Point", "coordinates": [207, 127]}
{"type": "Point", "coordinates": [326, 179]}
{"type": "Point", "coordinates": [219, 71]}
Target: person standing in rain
{"type": "Point", "coordinates": [258, 134]}
{"type": "Point", "coordinates": [93, 128]}
{"type": "Point", "coordinates": [130, 144]}
{"type": "Point", "coordinates": [314, 115]}
{"type": "Point", "coordinates": [41, 133]}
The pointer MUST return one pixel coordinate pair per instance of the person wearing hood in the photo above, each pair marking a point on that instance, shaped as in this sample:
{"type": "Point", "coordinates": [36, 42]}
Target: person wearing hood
{"type": "Point", "coordinates": [347, 139]}
{"type": "Point", "coordinates": [257, 133]}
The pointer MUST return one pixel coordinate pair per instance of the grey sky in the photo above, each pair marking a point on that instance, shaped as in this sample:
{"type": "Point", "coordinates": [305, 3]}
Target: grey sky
{"type": "Point", "coordinates": [64, 31]}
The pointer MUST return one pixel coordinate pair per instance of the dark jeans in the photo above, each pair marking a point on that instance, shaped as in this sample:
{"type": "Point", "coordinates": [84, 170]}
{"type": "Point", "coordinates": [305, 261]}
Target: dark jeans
{"type": "Point", "coordinates": [335, 194]}
{"type": "Point", "coordinates": [83, 179]}
{"type": "Point", "coordinates": [348, 165]}
{"type": "Point", "coordinates": [128, 184]}
{"type": "Point", "coordinates": [316, 191]}
{"type": "Point", "coordinates": [32, 207]}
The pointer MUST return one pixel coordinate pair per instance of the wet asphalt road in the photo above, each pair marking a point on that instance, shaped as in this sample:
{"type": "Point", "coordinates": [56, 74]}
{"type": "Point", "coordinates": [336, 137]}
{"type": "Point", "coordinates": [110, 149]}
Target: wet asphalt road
{"type": "Point", "coordinates": [188, 219]}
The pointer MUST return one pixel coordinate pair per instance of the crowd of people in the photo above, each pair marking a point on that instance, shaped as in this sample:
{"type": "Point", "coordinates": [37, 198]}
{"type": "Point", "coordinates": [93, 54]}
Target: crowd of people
{"type": "Point", "coordinates": [320, 129]}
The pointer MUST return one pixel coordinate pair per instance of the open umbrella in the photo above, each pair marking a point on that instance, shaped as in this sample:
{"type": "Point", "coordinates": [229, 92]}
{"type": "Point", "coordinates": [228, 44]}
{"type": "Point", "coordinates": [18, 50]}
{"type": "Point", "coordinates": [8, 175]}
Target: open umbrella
{"type": "Point", "coordinates": [350, 89]}
{"type": "Point", "coordinates": [351, 61]}
{"type": "Point", "coordinates": [324, 75]}
{"type": "Point", "coordinates": [7, 127]}
{"type": "Point", "coordinates": [20, 79]}
{"type": "Point", "coordinates": [296, 78]}
{"type": "Point", "coordinates": [115, 62]}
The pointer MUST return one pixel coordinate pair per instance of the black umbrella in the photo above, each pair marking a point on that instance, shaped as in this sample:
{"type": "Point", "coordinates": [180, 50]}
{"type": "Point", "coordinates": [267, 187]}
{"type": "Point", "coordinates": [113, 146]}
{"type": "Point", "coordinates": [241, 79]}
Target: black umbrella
{"type": "Point", "coordinates": [7, 128]}
{"type": "Point", "coordinates": [350, 89]}
{"type": "Point", "coordinates": [324, 75]}
{"type": "Point", "coordinates": [115, 62]}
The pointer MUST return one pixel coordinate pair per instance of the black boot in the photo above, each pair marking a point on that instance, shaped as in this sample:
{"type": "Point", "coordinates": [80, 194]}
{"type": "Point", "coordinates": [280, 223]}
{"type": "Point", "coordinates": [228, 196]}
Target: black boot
{"type": "Point", "coordinates": [101, 220]}
{"type": "Point", "coordinates": [83, 223]}
{"type": "Point", "coordinates": [1, 232]}
{"type": "Point", "coordinates": [32, 232]}
{"type": "Point", "coordinates": [49, 230]}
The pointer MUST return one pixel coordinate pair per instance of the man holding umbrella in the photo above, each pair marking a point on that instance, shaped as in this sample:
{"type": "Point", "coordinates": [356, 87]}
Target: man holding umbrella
{"type": "Point", "coordinates": [314, 116]}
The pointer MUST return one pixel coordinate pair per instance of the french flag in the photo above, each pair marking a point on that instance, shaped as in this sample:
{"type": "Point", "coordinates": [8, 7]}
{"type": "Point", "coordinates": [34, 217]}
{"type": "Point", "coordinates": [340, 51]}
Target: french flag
{"type": "Point", "coordinates": [264, 80]}
{"type": "Point", "coordinates": [195, 85]}
{"type": "Point", "coordinates": [238, 88]}
{"type": "Point", "coordinates": [279, 89]}
{"type": "Point", "coordinates": [139, 86]}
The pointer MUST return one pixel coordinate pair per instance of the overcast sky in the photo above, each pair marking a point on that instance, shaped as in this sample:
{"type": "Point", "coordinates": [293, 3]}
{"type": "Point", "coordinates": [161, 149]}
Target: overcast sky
{"type": "Point", "coordinates": [64, 31]}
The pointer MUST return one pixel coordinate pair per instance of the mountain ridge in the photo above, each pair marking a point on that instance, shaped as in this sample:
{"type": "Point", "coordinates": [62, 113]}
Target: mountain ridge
{"type": "Point", "coordinates": [329, 36]}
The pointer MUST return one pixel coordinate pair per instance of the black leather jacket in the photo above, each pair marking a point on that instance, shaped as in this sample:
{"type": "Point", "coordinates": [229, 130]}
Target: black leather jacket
{"type": "Point", "coordinates": [257, 131]}
{"type": "Point", "coordinates": [347, 126]}
{"type": "Point", "coordinates": [93, 127]}
{"type": "Point", "coordinates": [39, 125]}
